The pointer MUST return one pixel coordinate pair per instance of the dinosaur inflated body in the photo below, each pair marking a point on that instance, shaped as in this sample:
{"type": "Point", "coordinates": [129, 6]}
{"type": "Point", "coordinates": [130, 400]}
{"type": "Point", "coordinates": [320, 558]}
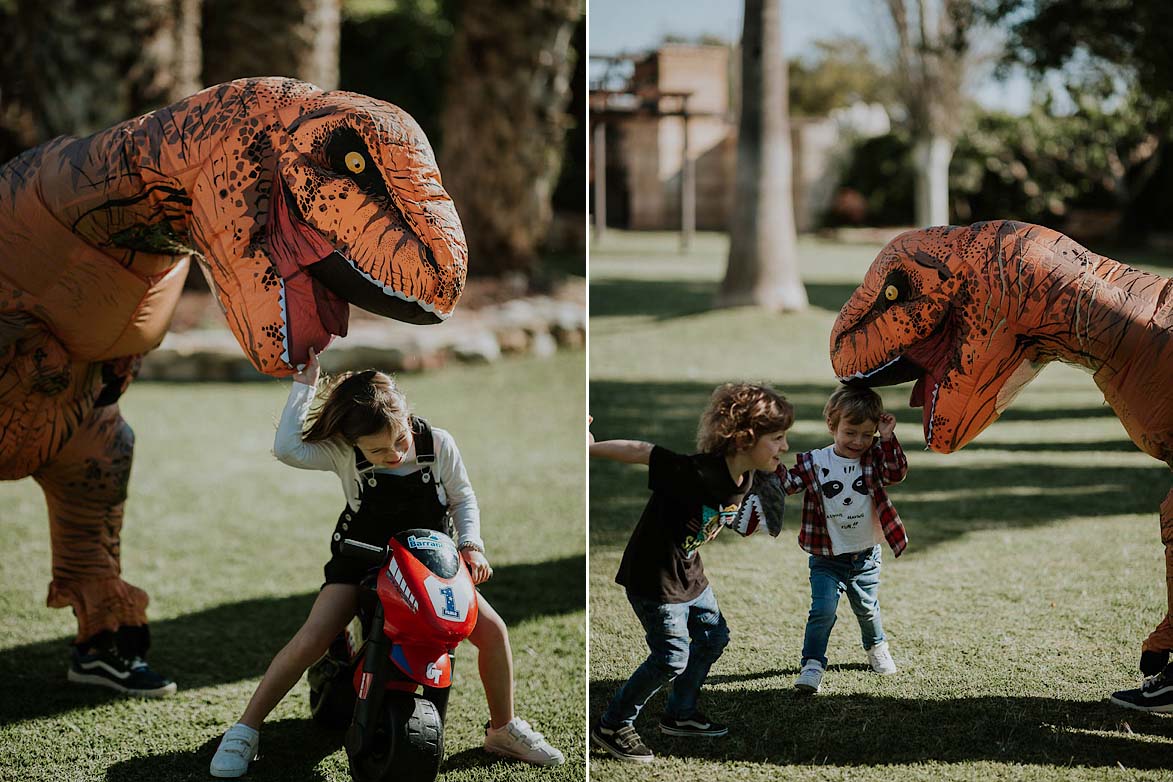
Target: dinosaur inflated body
{"type": "Point", "coordinates": [296, 202]}
{"type": "Point", "coordinates": [973, 313]}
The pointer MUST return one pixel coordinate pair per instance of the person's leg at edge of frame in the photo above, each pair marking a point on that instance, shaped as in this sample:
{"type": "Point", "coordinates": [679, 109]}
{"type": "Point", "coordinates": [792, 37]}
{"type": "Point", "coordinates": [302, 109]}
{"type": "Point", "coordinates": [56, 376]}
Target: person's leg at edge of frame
{"type": "Point", "coordinates": [505, 734]}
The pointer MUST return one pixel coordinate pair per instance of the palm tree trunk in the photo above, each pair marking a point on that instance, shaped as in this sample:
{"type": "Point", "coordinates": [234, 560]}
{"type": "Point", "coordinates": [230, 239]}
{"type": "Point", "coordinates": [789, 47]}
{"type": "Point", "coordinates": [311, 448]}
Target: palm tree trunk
{"type": "Point", "coordinates": [76, 67]}
{"type": "Point", "coordinates": [763, 252]}
{"type": "Point", "coordinates": [504, 124]}
{"type": "Point", "coordinates": [296, 38]}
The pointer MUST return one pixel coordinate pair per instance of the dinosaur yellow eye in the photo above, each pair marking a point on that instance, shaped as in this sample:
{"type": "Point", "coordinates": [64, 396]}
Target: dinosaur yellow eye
{"type": "Point", "coordinates": [891, 293]}
{"type": "Point", "coordinates": [355, 162]}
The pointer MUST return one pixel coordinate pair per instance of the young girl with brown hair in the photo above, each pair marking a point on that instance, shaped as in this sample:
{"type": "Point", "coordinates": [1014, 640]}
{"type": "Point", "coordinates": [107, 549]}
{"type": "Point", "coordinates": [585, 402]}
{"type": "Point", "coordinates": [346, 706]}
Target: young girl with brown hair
{"type": "Point", "coordinates": [397, 472]}
{"type": "Point", "coordinates": [693, 496]}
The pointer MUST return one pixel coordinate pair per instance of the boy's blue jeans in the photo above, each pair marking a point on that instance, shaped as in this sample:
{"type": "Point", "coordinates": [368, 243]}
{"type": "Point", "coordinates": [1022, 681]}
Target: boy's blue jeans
{"type": "Point", "coordinates": [684, 640]}
{"type": "Point", "coordinates": [856, 574]}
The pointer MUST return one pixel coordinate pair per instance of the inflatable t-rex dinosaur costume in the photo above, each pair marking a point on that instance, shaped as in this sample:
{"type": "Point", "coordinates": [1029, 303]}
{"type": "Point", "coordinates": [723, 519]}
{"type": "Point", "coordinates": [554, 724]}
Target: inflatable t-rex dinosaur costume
{"type": "Point", "coordinates": [972, 314]}
{"type": "Point", "coordinates": [294, 201]}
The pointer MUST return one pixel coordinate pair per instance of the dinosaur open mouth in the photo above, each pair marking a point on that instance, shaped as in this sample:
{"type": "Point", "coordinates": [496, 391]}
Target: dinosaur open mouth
{"type": "Point", "coordinates": [318, 282]}
{"type": "Point", "coordinates": [343, 278]}
{"type": "Point", "coordinates": [926, 362]}
{"type": "Point", "coordinates": [933, 355]}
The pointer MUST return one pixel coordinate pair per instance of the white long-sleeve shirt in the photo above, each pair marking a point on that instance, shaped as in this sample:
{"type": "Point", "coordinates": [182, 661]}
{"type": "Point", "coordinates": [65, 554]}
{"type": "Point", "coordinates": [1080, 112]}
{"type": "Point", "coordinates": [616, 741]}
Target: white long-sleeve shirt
{"type": "Point", "coordinates": [452, 486]}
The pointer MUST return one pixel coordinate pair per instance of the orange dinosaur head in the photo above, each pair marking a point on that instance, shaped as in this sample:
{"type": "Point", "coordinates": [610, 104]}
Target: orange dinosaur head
{"type": "Point", "coordinates": [943, 306]}
{"type": "Point", "coordinates": [308, 201]}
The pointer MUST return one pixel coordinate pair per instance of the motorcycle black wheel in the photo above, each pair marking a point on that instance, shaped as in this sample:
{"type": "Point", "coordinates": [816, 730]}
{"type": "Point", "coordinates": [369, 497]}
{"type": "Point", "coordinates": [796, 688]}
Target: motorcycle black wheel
{"type": "Point", "coordinates": [408, 744]}
{"type": "Point", "coordinates": [331, 693]}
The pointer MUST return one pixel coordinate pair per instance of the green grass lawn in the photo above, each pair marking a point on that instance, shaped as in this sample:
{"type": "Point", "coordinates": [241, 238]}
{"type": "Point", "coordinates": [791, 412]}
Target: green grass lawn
{"type": "Point", "coordinates": [1034, 571]}
{"type": "Point", "coordinates": [230, 544]}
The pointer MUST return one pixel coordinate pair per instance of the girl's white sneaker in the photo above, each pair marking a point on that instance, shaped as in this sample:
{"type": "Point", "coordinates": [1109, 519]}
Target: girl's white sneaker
{"type": "Point", "coordinates": [237, 749]}
{"type": "Point", "coordinates": [516, 739]}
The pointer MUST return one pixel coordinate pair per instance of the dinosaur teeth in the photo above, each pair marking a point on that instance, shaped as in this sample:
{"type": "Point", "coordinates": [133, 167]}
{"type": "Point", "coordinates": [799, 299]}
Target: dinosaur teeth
{"type": "Point", "coordinates": [869, 373]}
{"type": "Point", "coordinates": [284, 323]}
{"type": "Point", "coordinates": [929, 417]}
{"type": "Point", "coordinates": [388, 290]}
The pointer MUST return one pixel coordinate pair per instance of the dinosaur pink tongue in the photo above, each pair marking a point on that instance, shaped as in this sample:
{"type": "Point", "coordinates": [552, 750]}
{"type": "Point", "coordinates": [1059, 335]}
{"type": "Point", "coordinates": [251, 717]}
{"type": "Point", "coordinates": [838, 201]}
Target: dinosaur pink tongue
{"type": "Point", "coordinates": [313, 314]}
{"type": "Point", "coordinates": [925, 387]}
{"type": "Point", "coordinates": [918, 394]}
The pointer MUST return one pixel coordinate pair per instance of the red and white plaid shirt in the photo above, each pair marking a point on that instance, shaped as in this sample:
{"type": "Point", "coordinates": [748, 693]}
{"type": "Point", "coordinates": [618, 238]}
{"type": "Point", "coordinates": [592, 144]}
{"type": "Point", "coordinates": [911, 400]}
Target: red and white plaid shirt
{"type": "Point", "coordinates": [882, 464]}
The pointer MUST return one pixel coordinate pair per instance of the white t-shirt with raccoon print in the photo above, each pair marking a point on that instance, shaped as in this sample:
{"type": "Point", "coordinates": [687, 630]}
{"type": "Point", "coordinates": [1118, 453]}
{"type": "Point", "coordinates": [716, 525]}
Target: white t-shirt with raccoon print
{"type": "Point", "coordinates": [851, 515]}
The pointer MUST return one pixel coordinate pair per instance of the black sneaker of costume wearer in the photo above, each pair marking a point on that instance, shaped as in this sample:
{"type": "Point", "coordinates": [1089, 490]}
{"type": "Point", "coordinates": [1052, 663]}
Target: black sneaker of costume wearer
{"type": "Point", "coordinates": [389, 504]}
{"type": "Point", "coordinates": [102, 663]}
{"type": "Point", "coordinates": [1156, 694]}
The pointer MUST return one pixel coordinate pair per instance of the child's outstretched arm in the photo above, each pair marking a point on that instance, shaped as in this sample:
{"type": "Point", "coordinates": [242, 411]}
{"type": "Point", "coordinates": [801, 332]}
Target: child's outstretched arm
{"type": "Point", "coordinates": [627, 451]}
{"type": "Point", "coordinates": [894, 464]}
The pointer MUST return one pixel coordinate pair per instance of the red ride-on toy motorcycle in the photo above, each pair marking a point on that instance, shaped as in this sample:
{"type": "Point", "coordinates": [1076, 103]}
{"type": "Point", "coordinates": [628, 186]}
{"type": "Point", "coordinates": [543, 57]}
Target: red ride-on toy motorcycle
{"type": "Point", "coordinates": [391, 683]}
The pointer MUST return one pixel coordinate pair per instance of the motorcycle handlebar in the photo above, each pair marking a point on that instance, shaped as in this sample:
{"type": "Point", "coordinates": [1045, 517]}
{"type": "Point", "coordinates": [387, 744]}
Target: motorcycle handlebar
{"type": "Point", "coordinates": [374, 555]}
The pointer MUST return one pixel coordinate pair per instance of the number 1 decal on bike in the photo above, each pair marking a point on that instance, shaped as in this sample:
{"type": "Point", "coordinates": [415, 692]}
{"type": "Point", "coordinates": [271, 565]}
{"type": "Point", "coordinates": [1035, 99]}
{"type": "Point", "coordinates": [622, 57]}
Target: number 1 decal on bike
{"type": "Point", "coordinates": [449, 603]}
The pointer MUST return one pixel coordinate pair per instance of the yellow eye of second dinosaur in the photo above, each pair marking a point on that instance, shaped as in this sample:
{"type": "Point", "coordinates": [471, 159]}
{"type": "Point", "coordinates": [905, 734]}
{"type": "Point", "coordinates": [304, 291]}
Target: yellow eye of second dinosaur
{"type": "Point", "coordinates": [891, 293]}
{"type": "Point", "coordinates": [355, 162]}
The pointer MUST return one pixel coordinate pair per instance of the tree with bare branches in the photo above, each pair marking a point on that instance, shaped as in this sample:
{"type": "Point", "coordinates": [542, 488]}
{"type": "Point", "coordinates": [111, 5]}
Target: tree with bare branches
{"type": "Point", "coordinates": [932, 42]}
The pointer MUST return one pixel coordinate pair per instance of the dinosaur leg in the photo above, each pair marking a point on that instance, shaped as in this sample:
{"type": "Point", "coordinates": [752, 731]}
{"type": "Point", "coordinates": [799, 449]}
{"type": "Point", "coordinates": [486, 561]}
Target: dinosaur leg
{"type": "Point", "coordinates": [85, 487]}
{"type": "Point", "coordinates": [1155, 651]}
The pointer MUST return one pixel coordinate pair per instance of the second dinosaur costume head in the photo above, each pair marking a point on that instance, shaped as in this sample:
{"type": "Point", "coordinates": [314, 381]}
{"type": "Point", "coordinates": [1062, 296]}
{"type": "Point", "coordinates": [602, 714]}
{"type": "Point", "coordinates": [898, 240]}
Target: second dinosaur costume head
{"type": "Point", "coordinates": [973, 313]}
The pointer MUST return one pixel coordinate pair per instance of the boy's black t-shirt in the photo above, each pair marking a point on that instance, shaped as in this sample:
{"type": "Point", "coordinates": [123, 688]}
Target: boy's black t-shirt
{"type": "Point", "coordinates": [662, 561]}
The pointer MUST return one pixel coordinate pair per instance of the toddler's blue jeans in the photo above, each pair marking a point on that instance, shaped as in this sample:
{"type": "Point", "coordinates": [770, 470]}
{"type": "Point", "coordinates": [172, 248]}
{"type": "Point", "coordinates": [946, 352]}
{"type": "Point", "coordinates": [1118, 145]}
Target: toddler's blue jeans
{"type": "Point", "coordinates": [857, 574]}
{"type": "Point", "coordinates": [684, 640]}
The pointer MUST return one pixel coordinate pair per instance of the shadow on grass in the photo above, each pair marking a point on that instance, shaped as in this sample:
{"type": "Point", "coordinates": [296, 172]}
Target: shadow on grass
{"type": "Point", "coordinates": [525, 591]}
{"type": "Point", "coordinates": [669, 411]}
{"type": "Point", "coordinates": [829, 296]}
{"type": "Point", "coordinates": [660, 299]}
{"type": "Point", "coordinates": [290, 749]}
{"type": "Point", "coordinates": [236, 641]}
{"type": "Point", "coordinates": [667, 299]}
{"type": "Point", "coordinates": [779, 726]}
{"type": "Point", "coordinates": [954, 498]}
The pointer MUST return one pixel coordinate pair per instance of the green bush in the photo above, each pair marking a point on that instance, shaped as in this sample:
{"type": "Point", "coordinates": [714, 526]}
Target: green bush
{"type": "Point", "coordinates": [881, 169]}
{"type": "Point", "coordinates": [1035, 168]}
